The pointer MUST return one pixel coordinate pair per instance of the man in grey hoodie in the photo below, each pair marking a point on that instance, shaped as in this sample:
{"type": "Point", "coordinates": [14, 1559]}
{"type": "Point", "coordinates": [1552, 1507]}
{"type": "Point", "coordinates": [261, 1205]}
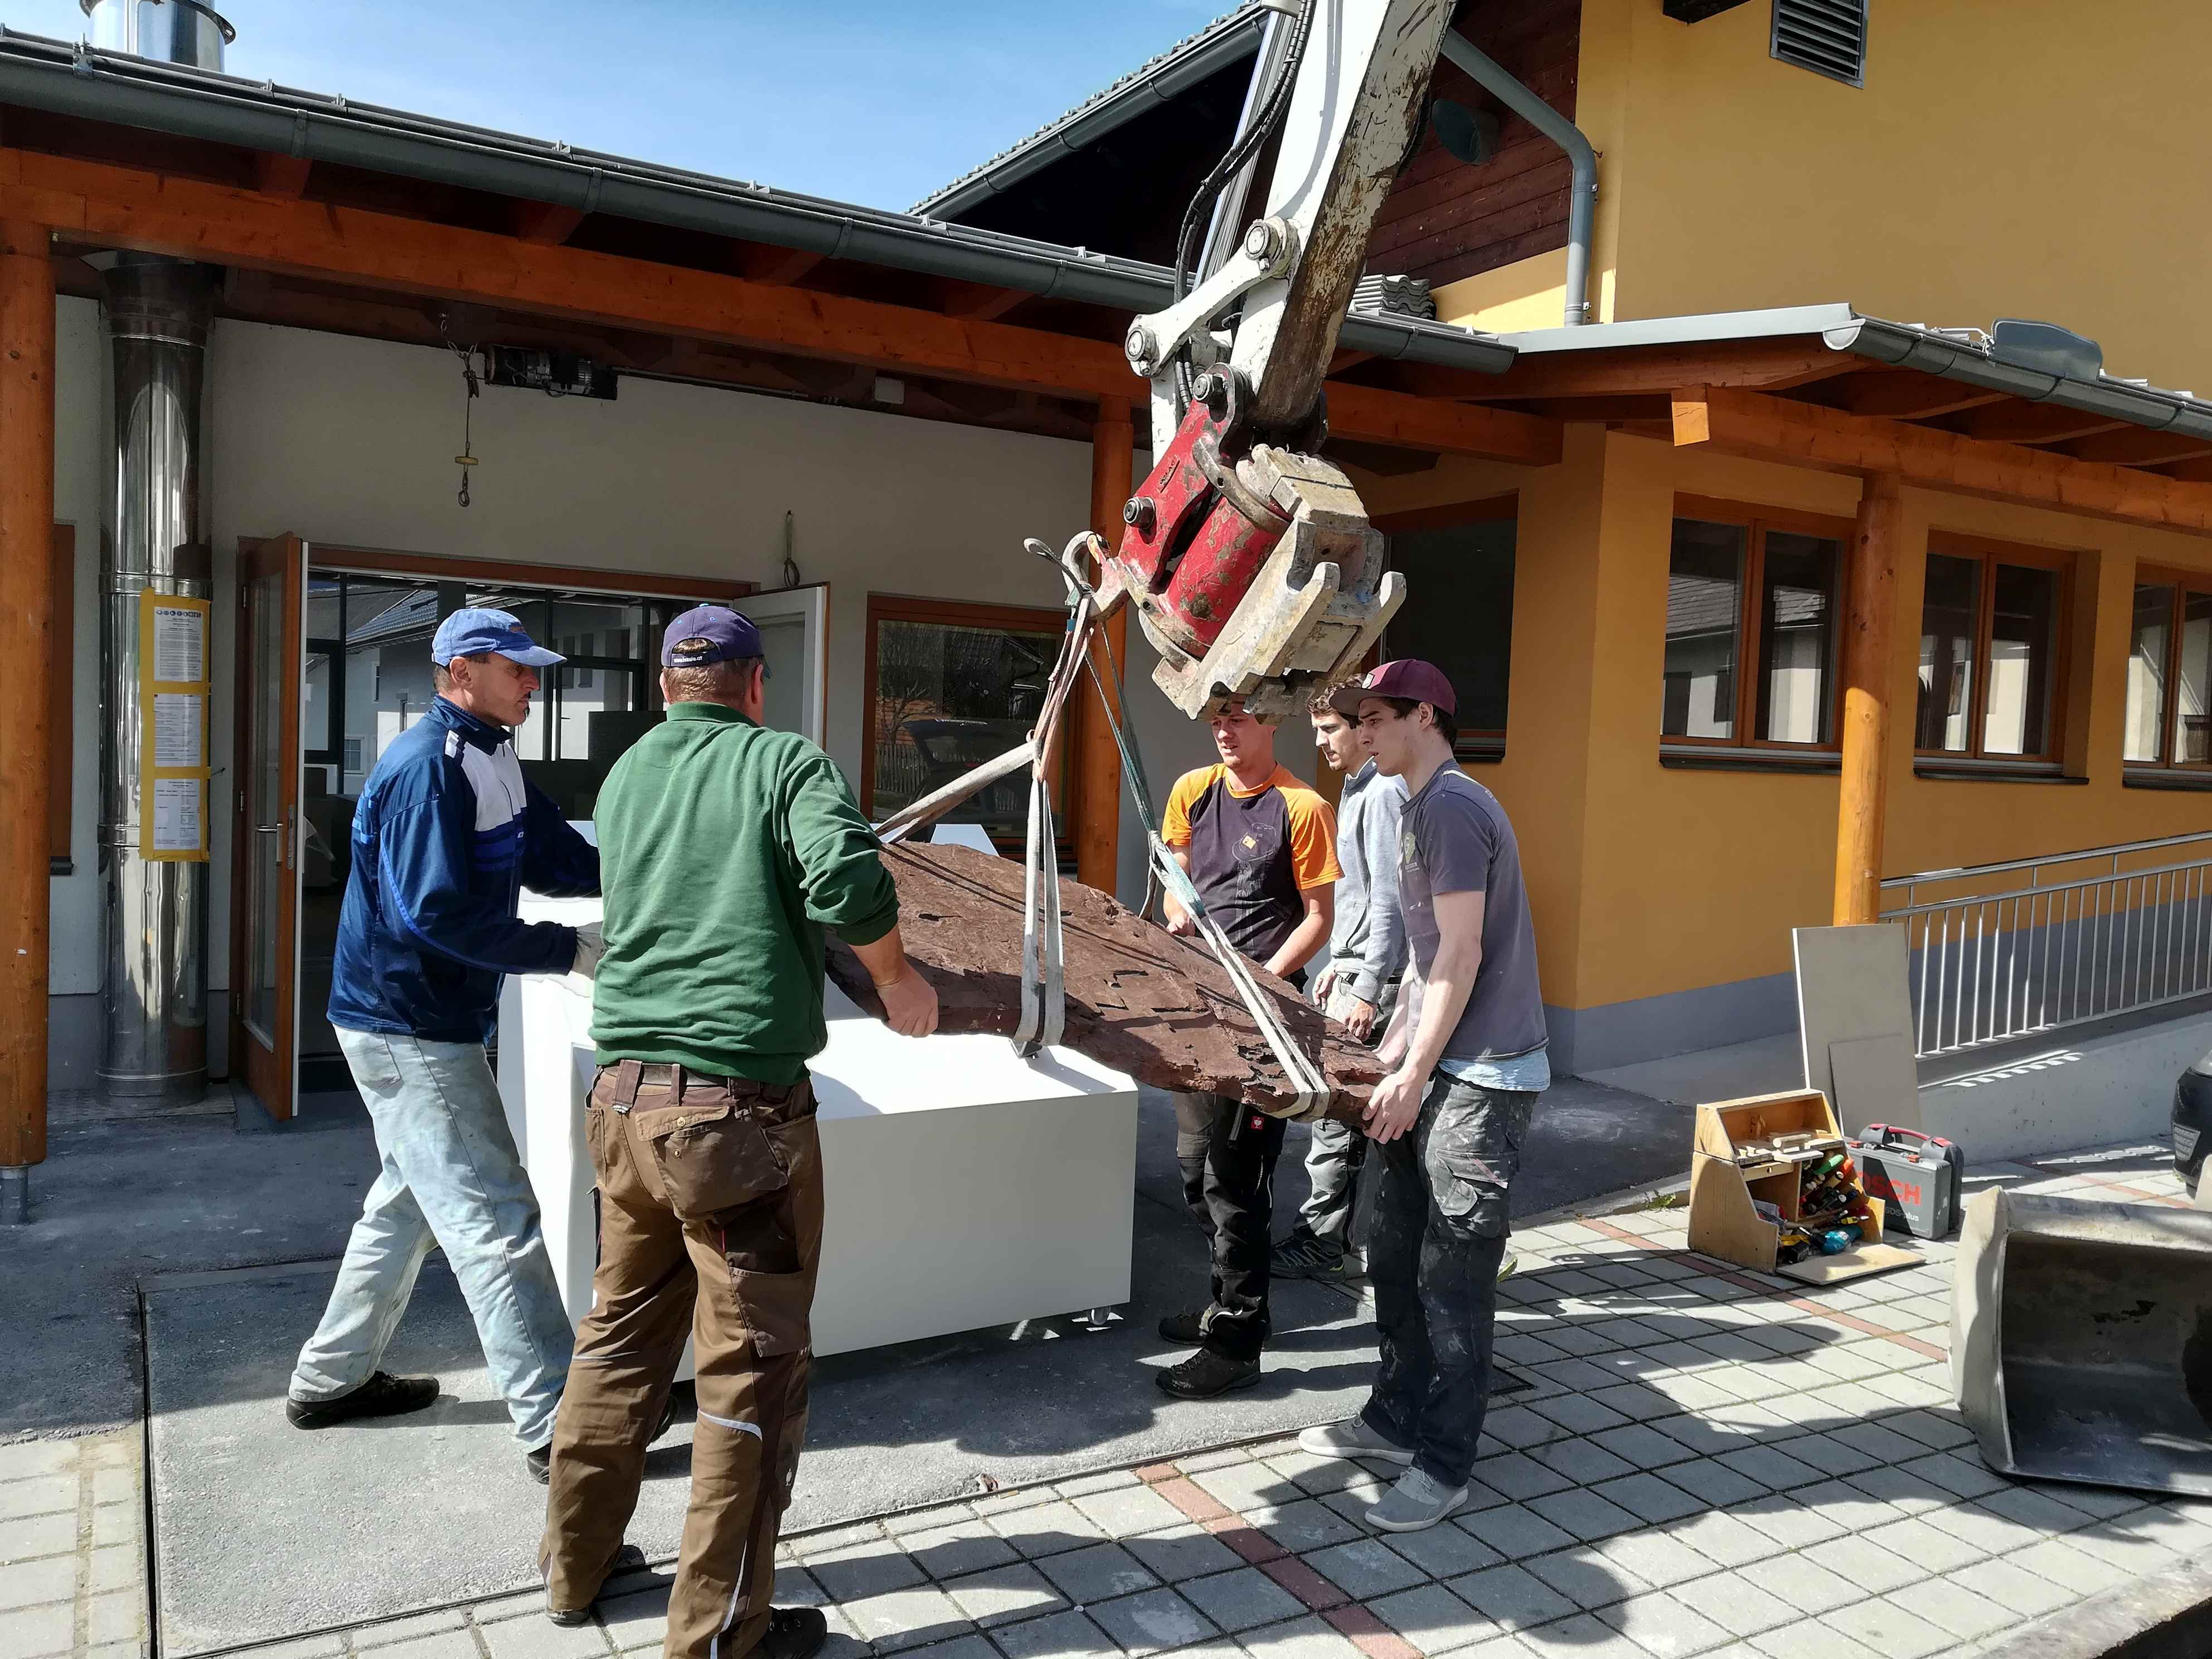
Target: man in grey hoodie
{"type": "Point", "coordinates": [1357, 988]}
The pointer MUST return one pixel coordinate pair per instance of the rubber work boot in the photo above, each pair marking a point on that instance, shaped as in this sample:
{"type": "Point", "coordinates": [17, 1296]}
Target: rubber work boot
{"type": "Point", "coordinates": [540, 1459]}
{"type": "Point", "coordinates": [382, 1396]}
{"type": "Point", "coordinates": [628, 1558]}
{"type": "Point", "coordinates": [1305, 1254]}
{"type": "Point", "coordinates": [1206, 1374]}
{"type": "Point", "coordinates": [1418, 1500]}
{"type": "Point", "coordinates": [1351, 1438]}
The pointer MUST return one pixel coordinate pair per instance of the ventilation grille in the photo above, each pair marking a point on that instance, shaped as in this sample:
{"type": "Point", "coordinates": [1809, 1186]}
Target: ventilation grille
{"type": "Point", "coordinates": [1827, 37]}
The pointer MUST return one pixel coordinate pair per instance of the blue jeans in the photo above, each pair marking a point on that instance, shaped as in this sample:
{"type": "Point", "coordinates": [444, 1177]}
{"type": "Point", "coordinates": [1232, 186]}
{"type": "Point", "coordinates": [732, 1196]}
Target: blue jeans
{"type": "Point", "coordinates": [452, 1177]}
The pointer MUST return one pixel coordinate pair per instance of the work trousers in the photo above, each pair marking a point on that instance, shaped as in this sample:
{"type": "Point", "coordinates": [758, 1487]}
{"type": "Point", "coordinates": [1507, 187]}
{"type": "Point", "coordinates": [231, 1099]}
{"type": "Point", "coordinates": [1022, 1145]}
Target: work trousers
{"type": "Point", "coordinates": [1228, 1152]}
{"type": "Point", "coordinates": [450, 1177]}
{"type": "Point", "coordinates": [1337, 1151]}
{"type": "Point", "coordinates": [710, 1223]}
{"type": "Point", "coordinates": [1439, 1235]}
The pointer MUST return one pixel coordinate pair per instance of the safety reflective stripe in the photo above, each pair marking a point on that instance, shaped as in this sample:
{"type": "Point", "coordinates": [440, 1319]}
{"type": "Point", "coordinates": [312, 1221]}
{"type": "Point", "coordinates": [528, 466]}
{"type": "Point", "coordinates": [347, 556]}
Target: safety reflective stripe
{"type": "Point", "coordinates": [752, 1429]}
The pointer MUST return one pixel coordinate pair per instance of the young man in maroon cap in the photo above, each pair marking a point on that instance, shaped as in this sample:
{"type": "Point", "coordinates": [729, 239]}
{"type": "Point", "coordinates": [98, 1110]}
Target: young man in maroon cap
{"type": "Point", "coordinates": [1467, 1048]}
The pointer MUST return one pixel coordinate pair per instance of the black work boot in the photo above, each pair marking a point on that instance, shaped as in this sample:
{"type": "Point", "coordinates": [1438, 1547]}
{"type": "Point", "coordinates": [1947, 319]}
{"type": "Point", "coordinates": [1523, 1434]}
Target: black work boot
{"type": "Point", "coordinates": [1206, 1374]}
{"type": "Point", "coordinates": [792, 1633]}
{"type": "Point", "coordinates": [382, 1396]}
{"type": "Point", "coordinates": [1185, 1330]}
{"type": "Point", "coordinates": [628, 1558]}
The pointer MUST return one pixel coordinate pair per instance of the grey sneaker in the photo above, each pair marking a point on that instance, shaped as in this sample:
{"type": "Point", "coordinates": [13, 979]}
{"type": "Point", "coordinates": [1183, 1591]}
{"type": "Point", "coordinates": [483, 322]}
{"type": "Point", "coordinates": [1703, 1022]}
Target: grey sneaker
{"type": "Point", "coordinates": [1351, 1438]}
{"type": "Point", "coordinates": [1508, 1268]}
{"type": "Point", "coordinates": [1303, 1254]}
{"type": "Point", "coordinates": [1418, 1500]}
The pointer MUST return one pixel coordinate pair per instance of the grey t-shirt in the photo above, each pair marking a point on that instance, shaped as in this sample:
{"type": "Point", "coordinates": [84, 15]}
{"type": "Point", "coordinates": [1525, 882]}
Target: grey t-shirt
{"type": "Point", "coordinates": [1456, 839]}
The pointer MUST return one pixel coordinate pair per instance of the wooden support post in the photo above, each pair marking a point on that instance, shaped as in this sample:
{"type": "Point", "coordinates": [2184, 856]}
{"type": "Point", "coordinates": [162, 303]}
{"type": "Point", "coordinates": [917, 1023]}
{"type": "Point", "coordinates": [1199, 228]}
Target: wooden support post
{"type": "Point", "coordinates": [27, 622]}
{"type": "Point", "coordinates": [1098, 762]}
{"type": "Point", "coordinates": [1866, 700]}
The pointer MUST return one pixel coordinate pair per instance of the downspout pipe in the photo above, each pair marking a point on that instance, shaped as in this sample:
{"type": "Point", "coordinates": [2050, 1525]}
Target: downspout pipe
{"type": "Point", "coordinates": [1494, 78]}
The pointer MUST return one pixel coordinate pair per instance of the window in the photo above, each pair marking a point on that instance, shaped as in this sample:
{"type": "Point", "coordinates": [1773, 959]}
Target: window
{"type": "Point", "coordinates": [353, 756]}
{"type": "Point", "coordinates": [1827, 37]}
{"type": "Point", "coordinates": [2169, 715]}
{"type": "Point", "coordinates": [1459, 612]}
{"type": "Point", "coordinates": [950, 686]}
{"type": "Point", "coordinates": [1989, 667]}
{"type": "Point", "coordinates": [1751, 631]}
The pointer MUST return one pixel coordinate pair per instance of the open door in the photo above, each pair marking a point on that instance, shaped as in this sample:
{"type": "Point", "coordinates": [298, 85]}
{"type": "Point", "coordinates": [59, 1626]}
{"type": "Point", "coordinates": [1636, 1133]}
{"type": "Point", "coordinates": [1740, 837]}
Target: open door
{"type": "Point", "coordinates": [794, 630]}
{"type": "Point", "coordinates": [264, 887]}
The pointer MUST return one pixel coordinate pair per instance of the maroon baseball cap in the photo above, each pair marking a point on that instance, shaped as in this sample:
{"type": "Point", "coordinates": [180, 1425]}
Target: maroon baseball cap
{"type": "Point", "coordinates": [1408, 677]}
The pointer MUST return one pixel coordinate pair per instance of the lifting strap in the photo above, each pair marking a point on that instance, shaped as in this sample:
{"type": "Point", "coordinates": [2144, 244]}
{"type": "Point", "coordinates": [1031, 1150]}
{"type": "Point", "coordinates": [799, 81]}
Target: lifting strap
{"type": "Point", "coordinates": [1308, 1084]}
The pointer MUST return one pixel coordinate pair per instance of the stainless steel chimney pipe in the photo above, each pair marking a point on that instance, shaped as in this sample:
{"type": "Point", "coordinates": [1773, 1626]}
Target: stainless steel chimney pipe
{"type": "Point", "coordinates": [173, 31]}
{"type": "Point", "coordinates": [153, 1000]}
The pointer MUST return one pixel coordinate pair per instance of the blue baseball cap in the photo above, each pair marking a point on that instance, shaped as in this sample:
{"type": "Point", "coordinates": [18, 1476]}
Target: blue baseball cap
{"type": "Point", "coordinates": [472, 631]}
{"type": "Point", "coordinates": [729, 635]}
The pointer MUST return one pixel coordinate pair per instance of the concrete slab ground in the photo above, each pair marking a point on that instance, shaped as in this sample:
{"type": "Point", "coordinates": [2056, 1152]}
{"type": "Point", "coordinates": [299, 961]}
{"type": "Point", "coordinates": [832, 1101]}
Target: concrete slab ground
{"type": "Point", "coordinates": [1705, 1460]}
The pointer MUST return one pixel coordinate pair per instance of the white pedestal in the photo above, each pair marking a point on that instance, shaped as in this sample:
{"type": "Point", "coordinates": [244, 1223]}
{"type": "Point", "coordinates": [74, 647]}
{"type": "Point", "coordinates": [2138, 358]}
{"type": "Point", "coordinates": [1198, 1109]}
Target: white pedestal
{"type": "Point", "coordinates": [965, 1188]}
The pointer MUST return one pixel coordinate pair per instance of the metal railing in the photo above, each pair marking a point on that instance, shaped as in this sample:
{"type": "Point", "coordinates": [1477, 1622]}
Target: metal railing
{"type": "Point", "coordinates": [2069, 943]}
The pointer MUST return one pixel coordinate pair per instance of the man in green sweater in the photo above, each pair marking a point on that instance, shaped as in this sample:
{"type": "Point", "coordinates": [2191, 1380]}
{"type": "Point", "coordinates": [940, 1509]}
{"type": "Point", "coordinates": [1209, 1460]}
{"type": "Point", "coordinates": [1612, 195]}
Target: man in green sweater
{"type": "Point", "coordinates": [725, 850]}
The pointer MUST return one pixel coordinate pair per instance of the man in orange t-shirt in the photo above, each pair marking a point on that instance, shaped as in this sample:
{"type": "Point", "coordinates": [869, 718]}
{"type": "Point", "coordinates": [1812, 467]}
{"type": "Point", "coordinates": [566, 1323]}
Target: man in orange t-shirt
{"type": "Point", "coordinates": [1260, 848]}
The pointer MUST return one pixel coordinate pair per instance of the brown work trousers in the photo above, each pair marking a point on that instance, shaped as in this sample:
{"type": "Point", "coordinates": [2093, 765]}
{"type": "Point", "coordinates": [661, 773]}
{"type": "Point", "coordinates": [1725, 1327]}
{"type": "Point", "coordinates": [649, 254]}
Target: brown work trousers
{"type": "Point", "coordinates": [710, 1223]}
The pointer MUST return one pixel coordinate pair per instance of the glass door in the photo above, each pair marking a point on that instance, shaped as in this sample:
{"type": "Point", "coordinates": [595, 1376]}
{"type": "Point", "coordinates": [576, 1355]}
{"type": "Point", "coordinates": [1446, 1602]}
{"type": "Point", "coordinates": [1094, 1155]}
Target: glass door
{"type": "Point", "coordinates": [794, 630]}
{"type": "Point", "coordinates": [265, 869]}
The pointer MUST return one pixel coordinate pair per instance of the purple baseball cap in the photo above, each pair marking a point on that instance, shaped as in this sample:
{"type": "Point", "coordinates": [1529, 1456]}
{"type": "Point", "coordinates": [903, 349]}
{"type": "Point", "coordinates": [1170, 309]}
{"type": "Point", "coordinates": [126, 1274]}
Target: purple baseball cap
{"type": "Point", "coordinates": [1408, 677]}
{"type": "Point", "coordinates": [728, 636]}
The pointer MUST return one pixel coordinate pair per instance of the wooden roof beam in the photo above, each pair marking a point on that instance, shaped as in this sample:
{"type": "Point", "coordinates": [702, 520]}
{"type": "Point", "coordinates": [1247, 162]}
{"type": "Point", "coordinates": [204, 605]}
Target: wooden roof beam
{"type": "Point", "coordinates": [284, 176]}
{"type": "Point", "coordinates": [546, 224]}
{"type": "Point", "coordinates": [1905, 395]}
{"type": "Point", "coordinates": [1628, 371]}
{"type": "Point", "coordinates": [1734, 421]}
{"type": "Point", "coordinates": [123, 207]}
{"type": "Point", "coordinates": [776, 267]}
{"type": "Point", "coordinates": [2136, 445]}
{"type": "Point", "coordinates": [2012, 421]}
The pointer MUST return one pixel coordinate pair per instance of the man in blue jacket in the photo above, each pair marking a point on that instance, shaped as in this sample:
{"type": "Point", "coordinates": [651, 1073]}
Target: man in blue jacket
{"type": "Point", "coordinates": [447, 834]}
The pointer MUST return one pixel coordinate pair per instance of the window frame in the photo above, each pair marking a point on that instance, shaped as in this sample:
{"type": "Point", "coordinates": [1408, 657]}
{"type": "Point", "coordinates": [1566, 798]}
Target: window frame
{"type": "Point", "coordinates": [1992, 552]}
{"type": "Point", "coordinates": [1476, 745]}
{"type": "Point", "coordinates": [1756, 521]}
{"type": "Point", "coordinates": [961, 613]}
{"type": "Point", "coordinates": [2184, 583]}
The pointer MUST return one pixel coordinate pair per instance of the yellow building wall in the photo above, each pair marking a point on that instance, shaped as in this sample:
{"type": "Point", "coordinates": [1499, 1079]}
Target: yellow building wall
{"type": "Point", "coordinates": [2037, 159]}
{"type": "Point", "coordinates": [1646, 879]}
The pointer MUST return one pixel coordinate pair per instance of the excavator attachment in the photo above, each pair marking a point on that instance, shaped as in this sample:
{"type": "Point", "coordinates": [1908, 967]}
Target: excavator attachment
{"type": "Point", "coordinates": [2081, 1341]}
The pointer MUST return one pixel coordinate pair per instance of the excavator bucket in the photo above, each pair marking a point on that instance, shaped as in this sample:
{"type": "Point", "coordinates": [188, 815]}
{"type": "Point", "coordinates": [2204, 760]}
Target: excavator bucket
{"type": "Point", "coordinates": [2081, 1341]}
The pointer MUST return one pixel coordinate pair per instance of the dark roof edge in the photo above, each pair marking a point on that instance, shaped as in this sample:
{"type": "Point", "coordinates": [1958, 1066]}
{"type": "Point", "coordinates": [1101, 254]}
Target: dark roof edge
{"type": "Point", "coordinates": [1211, 49]}
{"type": "Point", "coordinates": [1957, 358]}
{"type": "Point", "coordinates": [72, 79]}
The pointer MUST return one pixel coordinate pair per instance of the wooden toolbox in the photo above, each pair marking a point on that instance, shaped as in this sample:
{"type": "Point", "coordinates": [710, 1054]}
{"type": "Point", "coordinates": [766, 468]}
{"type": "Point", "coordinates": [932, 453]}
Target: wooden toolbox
{"type": "Point", "coordinates": [1734, 1162]}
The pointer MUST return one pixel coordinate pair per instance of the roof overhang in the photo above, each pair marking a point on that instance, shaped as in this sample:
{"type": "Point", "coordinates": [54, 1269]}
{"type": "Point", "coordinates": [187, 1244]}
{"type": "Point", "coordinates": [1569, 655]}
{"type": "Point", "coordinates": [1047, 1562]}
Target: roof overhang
{"type": "Point", "coordinates": [188, 103]}
{"type": "Point", "coordinates": [1967, 355]}
{"type": "Point", "coordinates": [1225, 41]}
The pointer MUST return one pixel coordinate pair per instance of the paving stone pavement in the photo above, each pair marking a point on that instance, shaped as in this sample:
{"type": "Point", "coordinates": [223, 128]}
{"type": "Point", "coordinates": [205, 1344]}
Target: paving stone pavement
{"type": "Point", "coordinates": [1707, 1462]}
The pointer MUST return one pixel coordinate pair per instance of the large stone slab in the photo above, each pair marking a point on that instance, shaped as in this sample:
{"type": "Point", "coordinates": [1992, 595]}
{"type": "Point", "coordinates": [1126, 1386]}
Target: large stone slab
{"type": "Point", "coordinates": [1140, 999]}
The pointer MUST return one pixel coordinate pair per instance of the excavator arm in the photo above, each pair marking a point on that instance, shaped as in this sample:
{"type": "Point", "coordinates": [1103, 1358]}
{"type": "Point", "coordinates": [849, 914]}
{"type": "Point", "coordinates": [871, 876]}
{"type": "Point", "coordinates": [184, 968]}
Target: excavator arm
{"type": "Point", "coordinates": [1249, 559]}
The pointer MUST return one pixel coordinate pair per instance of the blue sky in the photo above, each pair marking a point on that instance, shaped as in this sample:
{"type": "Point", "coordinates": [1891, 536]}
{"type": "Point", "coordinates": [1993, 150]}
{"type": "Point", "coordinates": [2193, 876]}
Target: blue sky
{"type": "Point", "coordinates": [874, 101]}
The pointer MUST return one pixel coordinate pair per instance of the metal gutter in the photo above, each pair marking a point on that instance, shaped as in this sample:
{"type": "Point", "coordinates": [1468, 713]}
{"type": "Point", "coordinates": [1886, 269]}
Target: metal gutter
{"type": "Point", "coordinates": [1174, 72]}
{"type": "Point", "coordinates": [73, 80]}
{"type": "Point", "coordinates": [1501, 83]}
{"type": "Point", "coordinates": [1962, 355]}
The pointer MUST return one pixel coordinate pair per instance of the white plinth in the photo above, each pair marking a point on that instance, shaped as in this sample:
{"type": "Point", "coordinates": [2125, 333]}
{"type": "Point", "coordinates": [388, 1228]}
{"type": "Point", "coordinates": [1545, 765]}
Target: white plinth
{"type": "Point", "coordinates": [965, 1188]}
